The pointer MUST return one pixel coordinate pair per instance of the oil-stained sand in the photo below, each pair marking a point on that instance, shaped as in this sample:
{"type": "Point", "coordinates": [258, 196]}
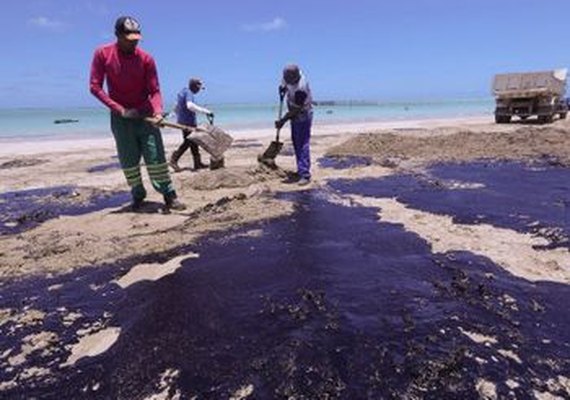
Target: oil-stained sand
{"type": "Point", "coordinates": [347, 290]}
{"type": "Point", "coordinates": [326, 303]}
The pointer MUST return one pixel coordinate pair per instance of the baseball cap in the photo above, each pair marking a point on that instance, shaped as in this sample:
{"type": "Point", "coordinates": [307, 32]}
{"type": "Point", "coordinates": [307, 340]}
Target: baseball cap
{"type": "Point", "coordinates": [129, 27]}
{"type": "Point", "coordinates": [196, 82]}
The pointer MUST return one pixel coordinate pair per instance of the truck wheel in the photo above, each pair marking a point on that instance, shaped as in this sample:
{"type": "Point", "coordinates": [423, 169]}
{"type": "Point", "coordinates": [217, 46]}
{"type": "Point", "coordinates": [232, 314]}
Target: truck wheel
{"type": "Point", "coordinates": [562, 115]}
{"type": "Point", "coordinates": [502, 119]}
{"type": "Point", "coordinates": [545, 119]}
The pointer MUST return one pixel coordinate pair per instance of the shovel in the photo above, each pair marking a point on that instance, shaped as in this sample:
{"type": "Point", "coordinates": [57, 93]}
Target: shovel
{"type": "Point", "coordinates": [211, 138]}
{"type": "Point", "coordinates": [268, 156]}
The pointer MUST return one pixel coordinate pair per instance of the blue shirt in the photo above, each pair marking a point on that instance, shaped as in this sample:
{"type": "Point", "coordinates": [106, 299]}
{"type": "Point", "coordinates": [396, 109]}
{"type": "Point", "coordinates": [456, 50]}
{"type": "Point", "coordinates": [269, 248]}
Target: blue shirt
{"type": "Point", "coordinates": [185, 116]}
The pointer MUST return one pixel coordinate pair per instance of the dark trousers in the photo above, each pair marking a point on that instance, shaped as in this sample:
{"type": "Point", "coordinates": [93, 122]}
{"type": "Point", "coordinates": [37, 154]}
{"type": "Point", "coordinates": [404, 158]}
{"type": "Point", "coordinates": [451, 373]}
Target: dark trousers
{"type": "Point", "coordinates": [187, 142]}
{"type": "Point", "coordinates": [136, 139]}
{"type": "Point", "coordinates": [301, 137]}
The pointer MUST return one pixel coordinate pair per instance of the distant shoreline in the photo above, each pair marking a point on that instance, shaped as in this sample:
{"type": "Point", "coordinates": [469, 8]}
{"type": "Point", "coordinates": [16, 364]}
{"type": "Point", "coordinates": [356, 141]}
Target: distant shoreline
{"type": "Point", "coordinates": [319, 102]}
{"type": "Point", "coordinates": [27, 145]}
{"type": "Point", "coordinates": [94, 122]}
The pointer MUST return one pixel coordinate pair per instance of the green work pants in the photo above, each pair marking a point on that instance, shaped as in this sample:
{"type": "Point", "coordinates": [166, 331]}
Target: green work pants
{"type": "Point", "coordinates": [135, 138]}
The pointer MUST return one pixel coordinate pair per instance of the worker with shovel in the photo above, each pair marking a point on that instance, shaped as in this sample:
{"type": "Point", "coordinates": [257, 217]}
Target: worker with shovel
{"type": "Point", "coordinates": [186, 110]}
{"type": "Point", "coordinates": [136, 110]}
{"type": "Point", "coordinates": [300, 112]}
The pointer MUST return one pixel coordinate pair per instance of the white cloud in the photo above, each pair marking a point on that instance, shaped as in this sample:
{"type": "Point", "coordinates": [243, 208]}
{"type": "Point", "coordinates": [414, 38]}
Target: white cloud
{"type": "Point", "coordinates": [276, 24]}
{"type": "Point", "coordinates": [46, 23]}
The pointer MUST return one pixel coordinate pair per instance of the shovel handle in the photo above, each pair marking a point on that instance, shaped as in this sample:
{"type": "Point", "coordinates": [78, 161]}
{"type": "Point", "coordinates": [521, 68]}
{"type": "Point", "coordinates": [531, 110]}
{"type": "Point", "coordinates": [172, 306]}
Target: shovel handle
{"type": "Point", "coordinates": [280, 108]}
{"type": "Point", "coordinates": [174, 125]}
{"type": "Point", "coordinates": [279, 115]}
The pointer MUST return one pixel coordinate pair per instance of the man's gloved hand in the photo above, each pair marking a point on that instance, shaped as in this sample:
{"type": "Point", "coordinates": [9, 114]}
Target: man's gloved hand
{"type": "Point", "coordinates": [210, 116]}
{"type": "Point", "coordinates": [131, 113]}
{"type": "Point", "coordinates": [282, 91]}
{"type": "Point", "coordinates": [279, 123]}
{"type": "Point", "coordinates": [156, 120]}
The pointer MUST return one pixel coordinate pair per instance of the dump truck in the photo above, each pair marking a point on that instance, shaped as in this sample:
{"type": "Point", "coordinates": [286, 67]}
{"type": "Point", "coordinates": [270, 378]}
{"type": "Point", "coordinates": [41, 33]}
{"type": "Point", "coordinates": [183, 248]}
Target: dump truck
{"type": "Point", "coordinates": [530, 94]}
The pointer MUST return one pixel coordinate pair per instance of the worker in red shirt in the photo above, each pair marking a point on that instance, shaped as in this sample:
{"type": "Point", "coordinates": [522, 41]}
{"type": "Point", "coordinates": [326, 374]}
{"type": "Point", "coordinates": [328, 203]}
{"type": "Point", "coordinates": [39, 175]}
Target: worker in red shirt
{"type": "Point", "coordinates": [133, 94]}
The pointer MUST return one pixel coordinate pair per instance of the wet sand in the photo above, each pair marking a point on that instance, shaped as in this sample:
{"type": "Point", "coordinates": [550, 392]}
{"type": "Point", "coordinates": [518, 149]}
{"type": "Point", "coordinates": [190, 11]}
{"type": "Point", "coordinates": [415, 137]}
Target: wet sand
{"type": "Point", "coordinates": [79, 233]}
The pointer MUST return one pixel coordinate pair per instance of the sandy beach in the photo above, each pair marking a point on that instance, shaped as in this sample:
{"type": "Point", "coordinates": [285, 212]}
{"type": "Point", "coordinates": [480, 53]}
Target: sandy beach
{"type": "Point", "coordinates": [246, 193]}
{"type": "Point", "coordinates": [244, 187]}
{"type": "Point", "coordinates": [411, 241]}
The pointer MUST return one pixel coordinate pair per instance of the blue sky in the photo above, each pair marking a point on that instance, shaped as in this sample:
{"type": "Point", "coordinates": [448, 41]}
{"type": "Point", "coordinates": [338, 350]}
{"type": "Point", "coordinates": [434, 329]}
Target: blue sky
{"type": "Point", "coordinates": [359, 49]}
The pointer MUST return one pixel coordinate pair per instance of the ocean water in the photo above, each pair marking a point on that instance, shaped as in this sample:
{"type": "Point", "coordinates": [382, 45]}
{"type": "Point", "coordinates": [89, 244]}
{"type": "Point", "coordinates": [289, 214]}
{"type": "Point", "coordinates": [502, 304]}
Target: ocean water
{"type": "Point", "coordinates": [39, 122]}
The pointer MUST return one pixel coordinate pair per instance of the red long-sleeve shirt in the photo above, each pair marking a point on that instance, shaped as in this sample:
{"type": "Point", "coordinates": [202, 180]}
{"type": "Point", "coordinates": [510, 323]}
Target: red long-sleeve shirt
{"type": "Point", "coordinates": [132, 80]}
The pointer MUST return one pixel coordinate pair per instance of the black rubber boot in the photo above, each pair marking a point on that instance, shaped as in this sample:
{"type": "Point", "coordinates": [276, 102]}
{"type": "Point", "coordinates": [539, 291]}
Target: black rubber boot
{"type": "Point", "coordinates": [195, 150]}
{"type": "Point", "coordinates": [171, 202]}
{"type": "Point", "coordinates": [176, 156]}
{"type": "Point", "coordinates": [136, 204]}
{"type": "Point", "coordinates": [217, 164]}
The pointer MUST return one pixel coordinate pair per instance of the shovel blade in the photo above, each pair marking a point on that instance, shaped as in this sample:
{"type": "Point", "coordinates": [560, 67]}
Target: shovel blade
{"type": "Point", "coordinates": [212, 139]}
{"type": "Point", "coordinates": [271, 152]}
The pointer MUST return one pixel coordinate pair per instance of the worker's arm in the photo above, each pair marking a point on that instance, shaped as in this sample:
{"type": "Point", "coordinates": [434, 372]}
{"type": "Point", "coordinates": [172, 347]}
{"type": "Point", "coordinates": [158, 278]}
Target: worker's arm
{"type": "Point", "coordinates": [96, 83]}
{"type": "Point", "coordinates": [197, 109]}
{"type": "Point", "coordinates": [294, 109]}
{"type": "Point", "coordinates": [153, 89]}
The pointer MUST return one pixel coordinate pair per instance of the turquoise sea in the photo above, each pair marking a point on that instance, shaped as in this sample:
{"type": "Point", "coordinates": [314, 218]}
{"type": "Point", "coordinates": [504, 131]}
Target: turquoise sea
{"type": "Point", "coordinates": [39, 122]}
